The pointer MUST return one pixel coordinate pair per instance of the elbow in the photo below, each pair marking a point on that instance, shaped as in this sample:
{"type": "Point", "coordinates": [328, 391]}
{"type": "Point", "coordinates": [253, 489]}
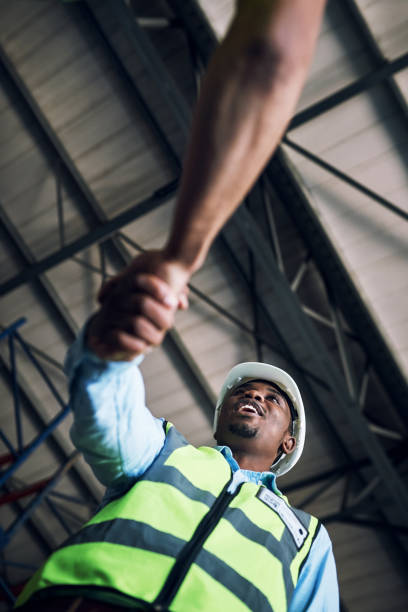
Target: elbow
{"type": "Point", "coordinates": [264, 66]}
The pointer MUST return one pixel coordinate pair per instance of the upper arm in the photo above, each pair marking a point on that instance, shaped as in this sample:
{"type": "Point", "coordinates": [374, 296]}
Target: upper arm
{"type": "Point", "coordinates": [112, 427]}
{"type": "Point", "coordinates": [288, 29]}
{"type": "Point", "coordinates": [317, 588]}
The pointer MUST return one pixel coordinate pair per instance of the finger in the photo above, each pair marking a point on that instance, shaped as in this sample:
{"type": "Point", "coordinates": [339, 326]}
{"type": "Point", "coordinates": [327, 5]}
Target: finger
{"type": "Point", "coordinates": [144, 330]}
{"type": "Point", "coordinates": [161, 316]}
{"type": "Point", "coordinates": [136, 305]}
{"type": "Point", "coordinates": [157, 288]}
{"type": "Point", "coordinates": [183, 300]}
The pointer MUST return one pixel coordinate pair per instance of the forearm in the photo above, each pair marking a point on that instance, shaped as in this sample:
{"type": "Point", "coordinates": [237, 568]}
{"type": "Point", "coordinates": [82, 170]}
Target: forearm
{"type": "Point", "coordinates": [247, 99]}
{"type": "Point", "coordinates": [112, 427]}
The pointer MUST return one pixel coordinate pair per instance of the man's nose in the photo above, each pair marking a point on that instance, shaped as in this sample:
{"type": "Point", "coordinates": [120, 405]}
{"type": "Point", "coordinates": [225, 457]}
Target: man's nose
{"type": "Point", "coordinates": [254, 394]}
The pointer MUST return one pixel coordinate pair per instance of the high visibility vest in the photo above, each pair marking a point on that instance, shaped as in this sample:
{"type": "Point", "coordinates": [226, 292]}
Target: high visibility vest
{"type": "Point", "coordinates": [179, 540]}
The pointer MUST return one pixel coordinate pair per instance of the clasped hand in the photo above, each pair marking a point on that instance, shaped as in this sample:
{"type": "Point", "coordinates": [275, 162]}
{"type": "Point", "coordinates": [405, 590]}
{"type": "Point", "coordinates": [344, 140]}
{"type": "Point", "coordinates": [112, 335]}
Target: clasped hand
{"type": "Point", "coordinates": [137, 307]}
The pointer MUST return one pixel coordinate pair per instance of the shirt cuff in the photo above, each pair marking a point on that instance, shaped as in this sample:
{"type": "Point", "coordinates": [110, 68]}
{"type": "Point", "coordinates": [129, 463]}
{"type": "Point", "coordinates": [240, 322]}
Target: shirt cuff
{"type": "Point", "coordinates": [79, 353]}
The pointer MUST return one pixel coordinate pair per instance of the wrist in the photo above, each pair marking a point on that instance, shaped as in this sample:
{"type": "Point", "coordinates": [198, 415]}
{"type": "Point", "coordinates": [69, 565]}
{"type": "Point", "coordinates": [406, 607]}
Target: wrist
{"type": "Point", "coordinates": [175, 271]}
{"type": "Point", "coordinates": [92, 332]}
{"type": "Point", "coordinates": [186, 258]}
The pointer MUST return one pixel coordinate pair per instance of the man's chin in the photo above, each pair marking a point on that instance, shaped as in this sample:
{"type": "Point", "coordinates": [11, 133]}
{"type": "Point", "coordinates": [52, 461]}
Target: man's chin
{"type": "Point", "coordinates": [243, 430]}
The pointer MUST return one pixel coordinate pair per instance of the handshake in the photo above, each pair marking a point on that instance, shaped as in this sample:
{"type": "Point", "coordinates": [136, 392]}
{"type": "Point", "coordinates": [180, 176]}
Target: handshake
{"type": "Point", "coordinates": [138, 306]}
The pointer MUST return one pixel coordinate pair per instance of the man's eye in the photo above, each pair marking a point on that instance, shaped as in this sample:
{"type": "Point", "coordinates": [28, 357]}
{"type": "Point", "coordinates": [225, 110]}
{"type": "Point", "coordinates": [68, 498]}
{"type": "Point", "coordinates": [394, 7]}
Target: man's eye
{"type": "Point", "coordinates": [273, 398]}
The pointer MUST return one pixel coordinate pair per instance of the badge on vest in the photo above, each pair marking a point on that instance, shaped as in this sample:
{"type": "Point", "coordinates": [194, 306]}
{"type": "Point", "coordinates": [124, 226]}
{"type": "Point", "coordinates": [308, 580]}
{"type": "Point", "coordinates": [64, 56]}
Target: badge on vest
{"type": "Point", "coordinates": [296, 528]}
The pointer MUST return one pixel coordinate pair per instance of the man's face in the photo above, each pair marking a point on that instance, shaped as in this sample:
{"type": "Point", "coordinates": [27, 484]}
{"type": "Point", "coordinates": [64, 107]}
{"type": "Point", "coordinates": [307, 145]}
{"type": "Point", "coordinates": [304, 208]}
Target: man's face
{"type": "Point", "coordinates": [255, 418]}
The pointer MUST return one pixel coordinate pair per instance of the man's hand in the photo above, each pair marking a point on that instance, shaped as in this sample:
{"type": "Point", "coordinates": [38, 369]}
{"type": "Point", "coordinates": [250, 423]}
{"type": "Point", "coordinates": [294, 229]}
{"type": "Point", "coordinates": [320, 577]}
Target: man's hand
{"type": "Point", "coordinates": [138, 307]}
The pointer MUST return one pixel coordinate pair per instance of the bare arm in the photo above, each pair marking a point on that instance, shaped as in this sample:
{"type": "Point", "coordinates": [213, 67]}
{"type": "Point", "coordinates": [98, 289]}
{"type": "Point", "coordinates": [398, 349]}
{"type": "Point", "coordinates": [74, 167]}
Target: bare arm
{"type": "Point", "coordinates": [248, 96]}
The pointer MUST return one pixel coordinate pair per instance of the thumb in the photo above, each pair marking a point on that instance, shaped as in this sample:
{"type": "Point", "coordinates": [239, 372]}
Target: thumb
{"type": "Point", "coordinates": [183, 299]}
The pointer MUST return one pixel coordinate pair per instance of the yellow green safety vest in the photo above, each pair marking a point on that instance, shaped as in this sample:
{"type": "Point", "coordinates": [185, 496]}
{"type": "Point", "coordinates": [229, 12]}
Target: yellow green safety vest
{"type": "Point", "coordinates": [179, 540]}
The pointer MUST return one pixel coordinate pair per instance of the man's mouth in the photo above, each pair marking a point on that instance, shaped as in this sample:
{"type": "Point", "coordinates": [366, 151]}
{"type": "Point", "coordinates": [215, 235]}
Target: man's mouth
{"type": "Point", "coordinates": [249, 406]}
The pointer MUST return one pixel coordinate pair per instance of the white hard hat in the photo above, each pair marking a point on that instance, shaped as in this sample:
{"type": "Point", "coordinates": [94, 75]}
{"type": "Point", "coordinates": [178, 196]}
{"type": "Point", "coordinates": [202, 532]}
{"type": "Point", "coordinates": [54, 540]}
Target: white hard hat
{"type": "Point", "coordinates": [252, 370]}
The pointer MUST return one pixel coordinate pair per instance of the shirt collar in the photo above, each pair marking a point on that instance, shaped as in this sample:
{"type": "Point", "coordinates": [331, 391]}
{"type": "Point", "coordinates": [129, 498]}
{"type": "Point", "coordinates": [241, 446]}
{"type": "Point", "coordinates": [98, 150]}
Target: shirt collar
{"type": "Point", "coordinates": [268, 479]}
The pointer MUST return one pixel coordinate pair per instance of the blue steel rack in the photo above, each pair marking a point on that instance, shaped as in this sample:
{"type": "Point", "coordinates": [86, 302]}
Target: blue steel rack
{"type": "Point", "coordinates": [19, 452]}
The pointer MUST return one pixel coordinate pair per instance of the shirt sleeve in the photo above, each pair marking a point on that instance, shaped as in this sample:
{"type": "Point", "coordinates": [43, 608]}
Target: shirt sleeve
{"type": "Point", "coordinates": [113, 428]}
{"type": "Point", "coordinates": [317, 589]}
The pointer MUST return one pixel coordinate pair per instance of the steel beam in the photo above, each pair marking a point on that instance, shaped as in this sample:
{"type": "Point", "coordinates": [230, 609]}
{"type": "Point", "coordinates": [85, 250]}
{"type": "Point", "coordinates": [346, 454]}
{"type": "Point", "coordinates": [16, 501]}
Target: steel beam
{"type": "Point", "coordinates": [148, 57]}
{"type": "Point", "coordinates": [42, 287]}
{"type": "Point", "coordinates": [343, 176]}
{"type": "Point", "coordinates": [360, 25]}
{"type": "Point", "coordinates": [15, 494]}
{"type": "Point", "coordinates": [44, 356]}
{"type": "Point", "coordinates": [33, 445]}
{"type": "Point", "coordinates": [193, 377]}
{"type": "Point", "coordinates": [29, 509]}
{"type": "Point", "coordinates": [33, 528]}
{"type": "Point", "coordinates": [146, 53]}
{"type": "Point", "coordinates": [48, 143]}
{"type": "Point", "coordinates": [99, 28]}
{"type": "Point", "coordinates": [319, 491]}
{"type": "Point", "coordinates": [340, 472]}
{"type": "Point", "coordinates": [40, 423]}
{"type": "Point", "coordinates": [373, 78]}
{"type": "Point", "coordinates": [343, 517]}
{"type": "Point", "coordinates": [344, 352]}
{"type": "Point", "coordinates": [194, 20]}
{"type": "Point", "coordinates": [98, 234]}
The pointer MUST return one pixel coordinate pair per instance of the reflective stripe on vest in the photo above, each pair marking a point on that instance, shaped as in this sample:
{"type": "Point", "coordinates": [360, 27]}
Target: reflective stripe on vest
{"type": "Point", "coordinates": [244, 559]}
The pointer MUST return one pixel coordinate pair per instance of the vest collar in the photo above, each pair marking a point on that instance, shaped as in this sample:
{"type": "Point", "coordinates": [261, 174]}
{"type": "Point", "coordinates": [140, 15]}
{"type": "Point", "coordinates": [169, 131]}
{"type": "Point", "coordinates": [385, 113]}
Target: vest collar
{"type": "Point", "coordinates": [268, 479]}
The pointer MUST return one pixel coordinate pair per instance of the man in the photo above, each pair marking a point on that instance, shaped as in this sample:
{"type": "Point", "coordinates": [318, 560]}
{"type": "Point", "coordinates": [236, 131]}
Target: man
{"type": "Point", "coordinates": [184, 528]}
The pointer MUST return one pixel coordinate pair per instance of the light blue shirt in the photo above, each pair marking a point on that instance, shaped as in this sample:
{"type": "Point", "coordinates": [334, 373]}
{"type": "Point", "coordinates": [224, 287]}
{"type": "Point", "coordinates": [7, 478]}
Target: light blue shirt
{"type": "Point", "coordinates": [120, 439]}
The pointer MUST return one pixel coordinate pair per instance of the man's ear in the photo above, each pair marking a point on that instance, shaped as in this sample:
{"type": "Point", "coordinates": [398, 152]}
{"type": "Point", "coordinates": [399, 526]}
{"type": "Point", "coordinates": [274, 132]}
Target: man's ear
{"type": "Point", "coordinates": [289, 444]}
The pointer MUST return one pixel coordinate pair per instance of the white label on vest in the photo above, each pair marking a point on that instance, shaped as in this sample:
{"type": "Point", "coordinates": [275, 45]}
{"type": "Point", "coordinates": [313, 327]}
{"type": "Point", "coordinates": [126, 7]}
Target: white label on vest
{"type": "Point", "coordinates": [296, 528]}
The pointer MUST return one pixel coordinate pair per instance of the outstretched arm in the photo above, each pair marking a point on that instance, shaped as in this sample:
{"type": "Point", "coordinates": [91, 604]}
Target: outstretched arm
{"type": "Point", "coordinates": [248, 96]}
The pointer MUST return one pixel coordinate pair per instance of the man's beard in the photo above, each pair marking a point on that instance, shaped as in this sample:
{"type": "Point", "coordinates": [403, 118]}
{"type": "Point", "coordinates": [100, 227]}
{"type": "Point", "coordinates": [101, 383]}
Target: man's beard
{"type": "Point", "coordinates": [243, 430]}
